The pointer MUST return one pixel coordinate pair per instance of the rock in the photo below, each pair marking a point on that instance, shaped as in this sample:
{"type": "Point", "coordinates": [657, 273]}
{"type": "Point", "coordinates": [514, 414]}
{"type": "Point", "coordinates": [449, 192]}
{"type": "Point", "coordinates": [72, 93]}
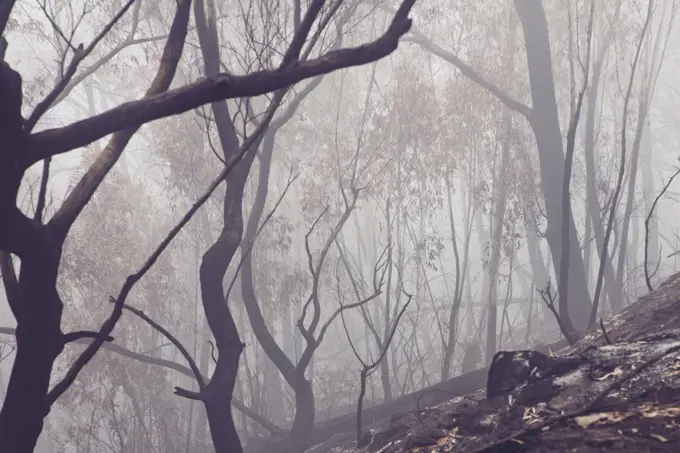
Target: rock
{"type": "Point", "coordinates": [511, 369]}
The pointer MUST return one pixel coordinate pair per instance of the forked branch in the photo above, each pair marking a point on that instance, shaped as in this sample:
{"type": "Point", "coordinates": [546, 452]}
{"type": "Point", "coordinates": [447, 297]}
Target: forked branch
{"type": "Point", "coordinates": [211, 89]}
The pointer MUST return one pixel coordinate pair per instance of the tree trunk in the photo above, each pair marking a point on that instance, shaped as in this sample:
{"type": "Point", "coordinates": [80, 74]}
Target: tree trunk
{"type": "Point", "coordinates": [630, 199]}
{"type": "Point", "coordinates": [499, 199]}
{"type": "Point", "coordinates": [292, 373]}
{"type": "Point", "coordinates": [385, 377]}
{"type": "Point", "coordinates": [539, 271]}
{"type": "Point", "coordinates": [647, 157]}
{"type": "Point", "coordinates": [304, 414]}
{"type": "Point", "coordinates": [544, 121]}
{"type": "Point", "coordinates": [274, 399]}
{"type": "Point", "coordinates": [33, 298]}
{"type": "Point", "coordinates": [217, 394]}
{"type": "Point", "coordinates": [39, 342]}
{"type": "Point", "coordinates": [613, 290]}
{"type": "Point", "coordinates": [450, 346]}
{"type": "Point", "coordinates": [201, 435]}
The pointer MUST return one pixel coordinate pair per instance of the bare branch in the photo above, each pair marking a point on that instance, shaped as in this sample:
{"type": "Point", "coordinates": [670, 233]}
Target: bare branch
{"type": "Point", "coordinates": [89, 183]}
{"type": "Point", "coordinates": [192, 363]}
{"type": "Point", "coordinates": [368, 369]}
{"type": "Point", "coordinates": [420, 39]}
{"type": "Point", "coordinates": [169, 364]}
{"type": "Point", "coordinates": [470, 73]}
{"type": "Point", "coordinates": [211, 89]}
{"type": "Point", "coordinates": [310, 264]}
{"type": "Point", "coordinates": [82, 334]}
{"type": "Point", "coordinates": [341, 309]}
{"type": "Point", "coordinates": [648, 219]}
{"type": "Point", "coordinates": [245, 253]}
{"type": "Point", "coordinates": [81, 76]}
{"type": "Point", "coordinates": [549, 300]}
{"type": "Point", "coordinates": [42, 193]}
{"type": "Point", "coordinates": [79, 54]}
{"type": "Point", "coordinates": [179, 391]}
{"type": "Point", "coordinates": [56, 27]}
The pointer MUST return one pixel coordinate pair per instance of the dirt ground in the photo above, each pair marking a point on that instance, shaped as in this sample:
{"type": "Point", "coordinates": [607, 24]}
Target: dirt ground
{"type": "Point", "coordinates": [596, 396]}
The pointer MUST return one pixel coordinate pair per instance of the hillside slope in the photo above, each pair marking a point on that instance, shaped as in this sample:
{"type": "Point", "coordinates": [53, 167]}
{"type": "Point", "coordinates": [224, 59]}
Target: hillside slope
{"type": "Point", "coordinates": [621, 395]}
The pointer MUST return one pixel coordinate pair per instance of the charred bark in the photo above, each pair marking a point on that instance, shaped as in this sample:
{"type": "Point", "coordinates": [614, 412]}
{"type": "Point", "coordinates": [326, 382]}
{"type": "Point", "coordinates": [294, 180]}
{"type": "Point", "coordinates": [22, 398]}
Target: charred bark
{"type": "Point", "coordinates": [39, 342]}
{"type": "Point", "coordinates": [33, 298]}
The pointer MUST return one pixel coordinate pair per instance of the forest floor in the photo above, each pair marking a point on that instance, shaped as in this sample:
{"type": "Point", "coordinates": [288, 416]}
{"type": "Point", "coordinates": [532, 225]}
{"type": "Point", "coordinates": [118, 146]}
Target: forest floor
{"type": "Point", "coordinates": [617, 392]}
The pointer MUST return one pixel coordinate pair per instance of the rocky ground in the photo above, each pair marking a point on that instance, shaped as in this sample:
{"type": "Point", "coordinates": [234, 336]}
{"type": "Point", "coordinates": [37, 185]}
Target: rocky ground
{"type": "Point", "coordinates": [618, 392]}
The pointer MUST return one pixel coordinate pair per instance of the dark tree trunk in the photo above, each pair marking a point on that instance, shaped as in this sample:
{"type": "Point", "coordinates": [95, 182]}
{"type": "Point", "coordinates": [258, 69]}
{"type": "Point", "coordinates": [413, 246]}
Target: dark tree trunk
{"type": "Point", "coordinates": [649, 194]}
{"type": "Point", "coordinates": [218, 393]}
{"type": "Point", "coordinates": [39, 342]}
{"type": "Point", "coordinates": [33, 297]}
{"type": "Point", "coordinates": [293, 373]}
{"type": "Point", "coordinates": [304, 415]}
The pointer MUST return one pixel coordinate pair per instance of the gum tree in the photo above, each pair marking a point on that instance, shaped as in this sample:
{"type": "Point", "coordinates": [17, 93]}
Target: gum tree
{"type": "Point", "coordinates": [38, 242]}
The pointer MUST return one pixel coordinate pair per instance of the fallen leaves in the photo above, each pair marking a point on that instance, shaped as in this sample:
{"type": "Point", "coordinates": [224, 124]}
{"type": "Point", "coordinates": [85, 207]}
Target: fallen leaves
{"type": "Point", "coordinates": [584, 421]}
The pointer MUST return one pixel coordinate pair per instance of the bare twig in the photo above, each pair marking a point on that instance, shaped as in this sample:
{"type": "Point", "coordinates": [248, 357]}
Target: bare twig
{"type": "Point", "coordinates": [180, 347]}
{"type": "Point", "coordinates": [56, 27]}
{"type": "Point", "coordinates": [212, 351]}
{"type": "Point", "coordinates": [604, 332]}
{"type": "Point", "coordinates": [549, 300]}
{"type": "Point", "coordinates": [648, 219]}
{"type": "Point", "coordinates": [3, 354]}
{"type": "Point", "coordinates": [245, 253]}
{"type": "Point", "coordinates": [79, 335]}
{"type": "Point", "coordinates": [78, 55]}
{"type": "Point", "coordinates": [368, 368]}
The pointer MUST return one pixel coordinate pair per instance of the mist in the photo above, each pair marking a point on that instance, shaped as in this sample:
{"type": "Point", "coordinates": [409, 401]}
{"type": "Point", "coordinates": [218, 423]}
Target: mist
{"type": "Point", "coordinates": [224, 224]}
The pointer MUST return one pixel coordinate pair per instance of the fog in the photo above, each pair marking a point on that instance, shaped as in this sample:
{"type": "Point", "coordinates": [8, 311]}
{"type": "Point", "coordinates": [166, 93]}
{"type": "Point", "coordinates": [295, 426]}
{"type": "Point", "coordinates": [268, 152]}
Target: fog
{"type": "Point", "coordinates": [392, 219]}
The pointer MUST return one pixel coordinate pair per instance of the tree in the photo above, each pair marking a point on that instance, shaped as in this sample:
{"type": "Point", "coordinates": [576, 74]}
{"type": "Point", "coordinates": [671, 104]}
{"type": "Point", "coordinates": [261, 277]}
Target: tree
{"type": "Point", "coordinates": [622, 161]}
{"type": "Point", "coordinates": [38, 243]}
{"type": "Point", "coordinates": [655, 45]}
{"type": "Point", "coordinates": [544, 120]}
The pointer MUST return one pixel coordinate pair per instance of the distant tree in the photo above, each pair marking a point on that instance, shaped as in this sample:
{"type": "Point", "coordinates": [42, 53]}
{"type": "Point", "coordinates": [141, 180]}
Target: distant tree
{"type": "Point", "coordinates": [543, 117]}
